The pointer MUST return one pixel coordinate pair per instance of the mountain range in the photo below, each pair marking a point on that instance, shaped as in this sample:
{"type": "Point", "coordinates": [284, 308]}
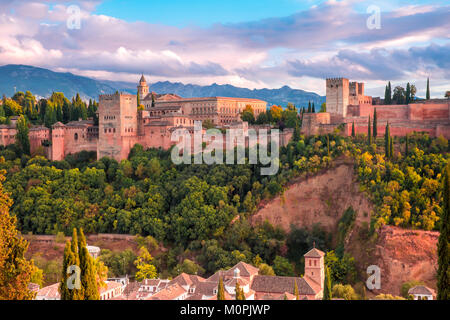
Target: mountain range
{"type": "Point", "coordinates": [42, 82]}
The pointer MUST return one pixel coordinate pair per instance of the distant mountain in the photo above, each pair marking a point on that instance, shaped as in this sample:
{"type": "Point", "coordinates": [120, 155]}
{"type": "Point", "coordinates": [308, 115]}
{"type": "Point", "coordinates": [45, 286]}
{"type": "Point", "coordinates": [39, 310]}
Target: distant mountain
{"type": "Point", "coordinates": [42, 82]}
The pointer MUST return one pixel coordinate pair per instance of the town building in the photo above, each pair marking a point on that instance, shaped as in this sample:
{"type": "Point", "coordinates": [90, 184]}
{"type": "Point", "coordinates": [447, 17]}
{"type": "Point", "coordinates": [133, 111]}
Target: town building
{"type": "Point", "coordinates": [422, 293]}
{"type": "Point", "coordinates": [254, 285]}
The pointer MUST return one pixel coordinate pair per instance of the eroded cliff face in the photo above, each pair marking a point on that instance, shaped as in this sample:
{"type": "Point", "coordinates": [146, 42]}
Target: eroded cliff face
{"type": "Point", "coordinates": [405, 255]}
{"type": "Point", "coordinates": [402, 255]}
{"type": "Point", "coordinates": [321, 198]}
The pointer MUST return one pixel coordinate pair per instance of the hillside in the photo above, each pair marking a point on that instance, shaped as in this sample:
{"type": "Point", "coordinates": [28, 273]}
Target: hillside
{"type": "Point", "coordinates": [401, 254]}
{"type": "Point", "coordinates": [320, 198]}
{"type": "Point", "coordinates": [42, 82]}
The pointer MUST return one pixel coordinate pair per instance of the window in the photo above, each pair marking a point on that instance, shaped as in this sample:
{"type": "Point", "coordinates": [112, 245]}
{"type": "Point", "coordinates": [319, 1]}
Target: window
{"type": "Point", "coordinates": [75, 136]}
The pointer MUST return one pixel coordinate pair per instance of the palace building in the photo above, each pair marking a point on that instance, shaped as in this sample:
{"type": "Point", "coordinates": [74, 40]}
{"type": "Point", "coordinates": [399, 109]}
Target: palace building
{"type": "Point", "coordinates": [347, 105]}
{"type": "Point", "coordinates": [122, 124]}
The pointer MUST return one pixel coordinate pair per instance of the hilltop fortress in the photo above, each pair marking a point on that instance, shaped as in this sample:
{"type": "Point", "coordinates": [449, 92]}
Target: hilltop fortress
{"type": "Point", "coordinates": [347, 104]}
{"type": "Point", "coordinates": [122, 124]}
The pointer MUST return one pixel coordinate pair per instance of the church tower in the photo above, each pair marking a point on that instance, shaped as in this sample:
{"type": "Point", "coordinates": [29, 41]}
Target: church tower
{"type": "Point", "coordinates": [314, 266]}
{"type": "Point", "coordinates": [142, 88]}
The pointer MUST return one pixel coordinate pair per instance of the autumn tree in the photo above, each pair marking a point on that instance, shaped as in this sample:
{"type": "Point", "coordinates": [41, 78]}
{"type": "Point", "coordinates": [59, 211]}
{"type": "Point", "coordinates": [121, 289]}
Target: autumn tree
{"type": "Point", "coordinates": [16, 272]}
{"type": "Point", "coordinates": [146, 270]}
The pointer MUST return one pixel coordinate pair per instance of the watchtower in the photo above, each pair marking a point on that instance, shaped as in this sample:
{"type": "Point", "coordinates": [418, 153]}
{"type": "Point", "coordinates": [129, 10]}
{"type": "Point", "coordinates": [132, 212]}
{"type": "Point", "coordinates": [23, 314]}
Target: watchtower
{"type": "Point", "coordinates": [337, 96]}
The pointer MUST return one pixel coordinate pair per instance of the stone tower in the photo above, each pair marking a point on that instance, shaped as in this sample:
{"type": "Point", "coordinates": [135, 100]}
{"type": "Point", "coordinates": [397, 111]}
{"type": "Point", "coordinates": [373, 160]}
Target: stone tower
{"type": "Point", "coordinates": [118, 122]}
{"type": "Point", "coordinates": [57, 147]}
{"type": "Point", "coordinates": [142, 88]}
{"type": "Point", "coordinates": [337, 96]}
{"type": "Point", "coordinates": [315, 266]}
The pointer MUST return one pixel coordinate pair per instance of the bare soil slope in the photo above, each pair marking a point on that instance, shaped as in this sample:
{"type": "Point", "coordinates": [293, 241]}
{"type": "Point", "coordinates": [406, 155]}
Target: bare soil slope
{"type": "Point", "coordinates": [321, 198]}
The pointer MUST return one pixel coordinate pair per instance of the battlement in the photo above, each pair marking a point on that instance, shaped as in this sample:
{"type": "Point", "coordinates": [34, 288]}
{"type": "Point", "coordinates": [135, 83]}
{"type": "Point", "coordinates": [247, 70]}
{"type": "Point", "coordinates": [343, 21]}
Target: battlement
{"type": "Point", "coordinates": [115, 96]}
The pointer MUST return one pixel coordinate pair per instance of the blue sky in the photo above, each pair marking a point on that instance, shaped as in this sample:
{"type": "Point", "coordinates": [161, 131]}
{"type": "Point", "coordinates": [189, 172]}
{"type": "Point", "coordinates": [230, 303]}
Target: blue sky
{"type": "Point", "coordinates": [246, 43]}
{"type": "Point", "coordinates": [199, 12]}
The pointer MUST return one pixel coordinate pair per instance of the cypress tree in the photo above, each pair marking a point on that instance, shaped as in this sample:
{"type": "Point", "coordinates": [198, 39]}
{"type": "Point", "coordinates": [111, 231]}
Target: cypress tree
{"type": "Point", "coordinates": [408, 93]}
{"type": "Point", "coordinates": [296, 294]}
{"type": "Point", "coordinates": [369, 134]}
{"type": "Point", "coordinates": [77, 294]}
{"type": "Point", "coordinates": [389, 93]}
{"type": "Point", "coordinates": [443, 273]}
{"type": "Point", "coordinates": [138, 99]}
{"type": "Point", "coordinates": [239, 292]}
{"type": "Point", "coordinates": [391, 147]}
{"type": "Point", "coordinates": [375, 124]}
{"type": "Point", "coordinates": [353, 129]}
{"type": "Point", "coordinates": [406, 146]}
{"type": "Point", "coordinates": [428, 89]}
{"type": "Point", "coordinates": [220, 290]}
{"type": "Point", "coordinates": [22, 138]}
{"type": "Point", "coordinates": [327, 295]}
{"type": "Point", "coordinates": [153, 100]}
{"type": "Point", "coordinates": [88, 274]}
{"type": "Point", "coordinates": [386, 99]}
{"type": "Point", "coordinates": [313, 108]}
{"type": "Point", "coordinates": [68, 260]}
{"type": "Point", "coordinates": [387, 143]}
{"type": "Point", "coordinates": [309, 107]}
{"type": "Point", "coordinates": [328, 145]}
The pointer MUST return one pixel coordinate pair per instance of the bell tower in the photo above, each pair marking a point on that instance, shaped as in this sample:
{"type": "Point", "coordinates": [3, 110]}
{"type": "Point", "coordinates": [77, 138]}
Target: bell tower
{"type": "Point", "coordinates": [142, 88]}
{"type": "Point", "coordinates": [314, 266]}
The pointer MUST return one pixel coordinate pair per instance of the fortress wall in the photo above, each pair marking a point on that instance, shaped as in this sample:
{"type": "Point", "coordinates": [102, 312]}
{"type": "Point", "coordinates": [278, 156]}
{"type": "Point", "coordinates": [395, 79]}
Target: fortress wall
{"type": "Point", "coordinates": [37, 137]}
{"type": "Point", "coordinates": [435, 111]}
{"type": "Point", "coordinates": [76, 139]}
{"type": "Point", "coordinates": [388, 112]}
{"type": "Point", "coordinates": [7, 136]}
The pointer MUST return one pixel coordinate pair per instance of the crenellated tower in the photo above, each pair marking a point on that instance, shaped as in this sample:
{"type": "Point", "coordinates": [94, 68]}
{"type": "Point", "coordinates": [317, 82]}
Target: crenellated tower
{"type": "Point", "coordinates": [338, 91]}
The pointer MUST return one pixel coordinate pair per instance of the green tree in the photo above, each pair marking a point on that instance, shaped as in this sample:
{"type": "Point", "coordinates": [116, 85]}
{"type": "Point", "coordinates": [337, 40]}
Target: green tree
{"type": "Point", "coordinates": [443, 273]}
{"type": "Point", "coordinates": [353, 129]}
{"type": "Point", "coordinates": [369, 134]}
{"type": "Point", "coordinates": [428, 89]}
{"type": "Point", "coordinates": [22, 138]}
{"type": "Point", "coordinates": [323, 107]}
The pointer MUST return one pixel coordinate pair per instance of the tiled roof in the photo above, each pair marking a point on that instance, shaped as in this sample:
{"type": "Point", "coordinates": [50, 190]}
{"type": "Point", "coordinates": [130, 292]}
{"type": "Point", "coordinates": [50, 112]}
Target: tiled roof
{"type": "Point", "coordinates": [246, 271]}
{"type": "Point", "coordinates": [274, 284]}
{"type": "Point", "coordinates": [170, 293]}
{"type": "Point", "coordinates": [110, 285]}
{"type": "Point", "coordinates": [50, 292]}
{"type": "Point", "coordinates": [421, 290]}
{"type": "Point", "coordinates": [185, 279]}
{"type": "Point", "coordinates": [314, 253]}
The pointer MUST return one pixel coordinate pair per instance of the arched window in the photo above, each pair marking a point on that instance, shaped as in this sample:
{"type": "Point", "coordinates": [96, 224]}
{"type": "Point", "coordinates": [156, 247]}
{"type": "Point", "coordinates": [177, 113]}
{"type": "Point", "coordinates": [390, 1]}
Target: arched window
{"type": "Point", "coordinates": [76, 136]}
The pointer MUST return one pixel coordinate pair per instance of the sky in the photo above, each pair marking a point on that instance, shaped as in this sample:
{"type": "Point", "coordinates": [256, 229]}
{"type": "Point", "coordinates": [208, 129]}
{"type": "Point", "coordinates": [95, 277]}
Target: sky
{"type": "Point", "coordinates": [246, 43]}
